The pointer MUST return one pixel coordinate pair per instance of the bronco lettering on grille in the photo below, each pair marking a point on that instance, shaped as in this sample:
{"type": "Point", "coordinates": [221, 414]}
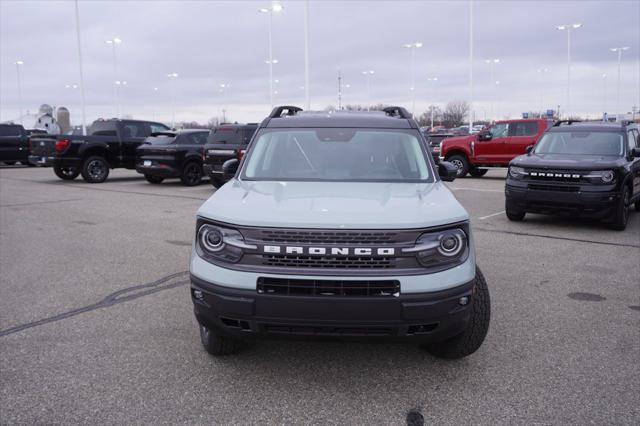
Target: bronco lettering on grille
{"type": "Point", "coordinates": [333, 251]}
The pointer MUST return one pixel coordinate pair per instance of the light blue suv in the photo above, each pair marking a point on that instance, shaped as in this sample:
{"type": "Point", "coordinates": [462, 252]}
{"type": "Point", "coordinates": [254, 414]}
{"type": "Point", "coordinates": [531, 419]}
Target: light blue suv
{"type": "Point", "coordinates": [338, 225]}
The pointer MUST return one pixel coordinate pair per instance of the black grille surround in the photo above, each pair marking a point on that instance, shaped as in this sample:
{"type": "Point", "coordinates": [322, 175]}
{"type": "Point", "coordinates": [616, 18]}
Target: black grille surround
{"type": "Point", "coordinates": [328, 288]}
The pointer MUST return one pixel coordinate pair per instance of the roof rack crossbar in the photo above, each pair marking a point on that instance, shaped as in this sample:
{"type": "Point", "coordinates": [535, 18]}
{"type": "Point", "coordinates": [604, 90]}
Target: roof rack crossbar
{"type": "Point", "coordinates": [278, 111]}
{"type": "Point", "coordinates": [397, 111]}
{"type": "Point", "coordinates": [568, 122]}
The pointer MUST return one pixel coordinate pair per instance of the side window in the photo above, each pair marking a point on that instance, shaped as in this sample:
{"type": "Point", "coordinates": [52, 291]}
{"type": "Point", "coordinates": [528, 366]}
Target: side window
{"type": "Point", "coordinates": [134, 130]}
{"type": "Point", "coordinates": [248, 133]}
{"type": "Point", "coordinates": [525, 128]}
{"type": "Point", "coordinates": [632, 139]}
{"type": "Point", "coordinates": [500, 130]}
{"type": "Point", "coordinates": [196, 139]}
{"type": "Point", "coordinates": [155, 127]}
{"type": "Point", "coordinates": [9, 131]}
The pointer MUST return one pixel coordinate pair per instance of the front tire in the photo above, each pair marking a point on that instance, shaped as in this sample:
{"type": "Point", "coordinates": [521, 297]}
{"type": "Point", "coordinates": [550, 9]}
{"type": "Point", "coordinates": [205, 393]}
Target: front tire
{"type": "Point", "coordinates": [475, 172]}
{"type": "Point", "coordinates": [95, 169]}
{"type": "Point", "coordinates": [9, 163]}
{"type": "Point", "coordinates": [154, 179]}
{"type": "Point", "coordinates": [191, 174]}
{"type": "Point", "coordinates": [218, 345]}
{"type": "Point", "coordinates": [621, 213]}
{"type": "Point", "coordinates": [461, 163]}
{"type": "Point", "coordinates": [470, 340]}
{"type": "Point", "coordinates": [66, 173]}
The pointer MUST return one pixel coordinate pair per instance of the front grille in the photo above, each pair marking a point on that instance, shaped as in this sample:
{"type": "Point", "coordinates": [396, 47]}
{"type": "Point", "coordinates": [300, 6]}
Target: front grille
{"type": "Point", "coordinates": [326, 237]}
{"type": "Point", "coordinates": [327, 330]}
{"type": "Point", "coordinates": [554, 175]}
{"type": "Point", "coordinates": [332, 262]}
{"type": "Point", "coordinates": [328, 288]}
{"type": "Point", "coordinates": [557, 188]}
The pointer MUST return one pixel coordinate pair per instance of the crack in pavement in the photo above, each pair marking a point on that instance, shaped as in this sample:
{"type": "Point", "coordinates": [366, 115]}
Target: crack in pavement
{"type": "Point", "coordinates": [477, 228]}
{"type": "Point", "coordinates": [114, 298]}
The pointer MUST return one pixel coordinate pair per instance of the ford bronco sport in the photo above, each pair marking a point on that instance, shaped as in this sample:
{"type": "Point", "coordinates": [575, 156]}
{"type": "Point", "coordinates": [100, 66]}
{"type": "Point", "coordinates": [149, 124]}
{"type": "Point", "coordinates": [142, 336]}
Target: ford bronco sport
{"type": "Point", "coordinates": [337, 225]}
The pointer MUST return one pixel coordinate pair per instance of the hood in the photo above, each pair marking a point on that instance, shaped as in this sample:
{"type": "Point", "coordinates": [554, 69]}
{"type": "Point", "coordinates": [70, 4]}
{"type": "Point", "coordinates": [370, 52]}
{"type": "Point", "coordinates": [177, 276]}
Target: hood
{"type": "Point", "coordinates": [566, 161]}
{"type": "Point", "coordinates": [334, 205]}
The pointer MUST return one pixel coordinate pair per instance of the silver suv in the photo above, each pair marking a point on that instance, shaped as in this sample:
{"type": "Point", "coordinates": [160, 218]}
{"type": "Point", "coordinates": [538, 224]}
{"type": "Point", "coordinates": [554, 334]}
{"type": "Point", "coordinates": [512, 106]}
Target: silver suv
{"type": "Point", "coordinates": [338, 225]}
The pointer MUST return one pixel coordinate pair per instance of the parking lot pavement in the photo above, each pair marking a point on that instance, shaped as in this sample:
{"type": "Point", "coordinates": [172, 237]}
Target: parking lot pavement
{"type": "Point", "coordinates": [96, 325]}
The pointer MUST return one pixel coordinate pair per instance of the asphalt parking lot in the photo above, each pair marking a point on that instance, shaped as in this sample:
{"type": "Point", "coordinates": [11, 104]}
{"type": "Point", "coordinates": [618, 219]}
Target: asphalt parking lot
{"type": "Point", "coordinates": [96, 325]}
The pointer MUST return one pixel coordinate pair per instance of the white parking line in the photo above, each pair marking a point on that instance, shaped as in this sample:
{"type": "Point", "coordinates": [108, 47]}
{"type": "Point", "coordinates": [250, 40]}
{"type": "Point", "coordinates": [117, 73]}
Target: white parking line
{"type": "Point", "coordinates": [491, 215]}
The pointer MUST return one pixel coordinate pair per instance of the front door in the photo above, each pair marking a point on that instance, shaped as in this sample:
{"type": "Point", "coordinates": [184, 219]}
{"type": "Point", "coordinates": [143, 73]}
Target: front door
{"type": "Point", "coordinates": [522, 134]}
{"type": "Point", "coordinates": [493, 151]}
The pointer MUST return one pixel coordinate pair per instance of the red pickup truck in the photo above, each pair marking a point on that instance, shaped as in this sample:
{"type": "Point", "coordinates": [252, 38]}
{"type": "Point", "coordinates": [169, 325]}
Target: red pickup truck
{"type": "Point", "coordinates": [494, 146]}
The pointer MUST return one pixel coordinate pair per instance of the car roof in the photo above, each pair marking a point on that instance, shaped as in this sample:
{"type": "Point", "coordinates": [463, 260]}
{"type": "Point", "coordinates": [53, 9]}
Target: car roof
{"type": "Point", "coordinates": [592, 127]}
{"type": "Point", "coordinates": [293, 117]}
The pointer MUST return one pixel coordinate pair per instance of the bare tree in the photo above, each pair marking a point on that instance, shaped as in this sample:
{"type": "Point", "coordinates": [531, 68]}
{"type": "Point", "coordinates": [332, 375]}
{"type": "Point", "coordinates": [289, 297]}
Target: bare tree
{"type": "Point", "coordinates": [424, 120]}
{"type": "Point", "coordinates": [455, 113]}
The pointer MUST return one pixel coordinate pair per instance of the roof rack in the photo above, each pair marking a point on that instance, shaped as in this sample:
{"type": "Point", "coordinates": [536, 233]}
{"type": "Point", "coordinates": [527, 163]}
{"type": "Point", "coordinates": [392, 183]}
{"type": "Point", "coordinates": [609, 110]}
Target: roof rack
{"type": "Point", "coordinates": [567, 122]}
{"type": "Point", "coordinates": [278, 111]}
{"type": "Point", "coordinates": [397, 111]}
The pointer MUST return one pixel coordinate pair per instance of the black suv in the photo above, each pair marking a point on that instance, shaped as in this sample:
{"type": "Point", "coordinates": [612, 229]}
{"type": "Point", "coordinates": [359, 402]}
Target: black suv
{"type": "Point", "coordinates": [581, 169]}
{"type": "Point", "coordinates": [224, 143]}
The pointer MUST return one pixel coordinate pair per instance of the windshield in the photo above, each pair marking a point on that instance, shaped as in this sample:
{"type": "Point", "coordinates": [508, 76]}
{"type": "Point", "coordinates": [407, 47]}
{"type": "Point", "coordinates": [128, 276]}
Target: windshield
{"type": "Point", "coordinates": [581, 143]}
{"type": "Point", "coordinates": [337, 154]}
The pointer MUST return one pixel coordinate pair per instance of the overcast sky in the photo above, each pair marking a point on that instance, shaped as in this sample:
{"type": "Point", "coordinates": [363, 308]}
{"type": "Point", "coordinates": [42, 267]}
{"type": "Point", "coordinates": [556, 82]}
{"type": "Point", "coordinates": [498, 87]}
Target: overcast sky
{"type": "Point", "coordinates": [212, 42]}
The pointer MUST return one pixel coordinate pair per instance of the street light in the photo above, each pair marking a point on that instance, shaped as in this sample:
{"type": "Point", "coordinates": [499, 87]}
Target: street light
{"type": "Point", "coordinates": [18, 64]}
{"type": "Point", "coordinates": [413, 47]}
{"type": "Point", "coordinates": [368, 74]}
{"type": "Point", "coordinates": [619, 50]}
{"type": "Point", "coordinates": [153, 104]}
{"type": "Point", "coordinates": [542, 72]}
{"type": "Point", "coordinates": [568, 28]}
{"type": "Point", "coordinates": [276, 7]}
{"type": "Point", "coordinates": [223, 91]}
{"type": "Point", "coordinates": [84, 115]}
{"type": "Point", "coordinates": [492, 63]}
{"type": "Point", "coordinates": [604, 94]}
{"type": "Point", "coordinates": [432, 79]}
{"type": "Point", "coordinates": [173, 76]}
{"type": "Point", "coordinates": [113, 42]}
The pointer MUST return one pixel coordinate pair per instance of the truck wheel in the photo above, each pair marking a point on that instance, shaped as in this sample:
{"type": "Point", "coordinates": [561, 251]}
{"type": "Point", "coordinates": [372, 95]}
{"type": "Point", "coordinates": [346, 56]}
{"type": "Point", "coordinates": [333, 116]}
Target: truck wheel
{"type": "Point", "coordinates": [471, 339]}
{"type": "Point", "coordinates": [66, 173]}
{"type": "Point", "coordinates": [475, 172]}
{"type": "Point", "coordinates": [514, 215]}
{"type": "Point", "coordinates": [191, 174]}
{"type": "Point", "coordinates": [621, 213]}
{"type": "Point", "coordinates": [461, 163]}
{"type": "Point", "coordinates": [9, 163]}
{"type": "Point", "coordinates": [216, 344]}
{"type": "Point", "coordinates": [95, 169]}
{"type": "Point", "coordinates": [153, 179]}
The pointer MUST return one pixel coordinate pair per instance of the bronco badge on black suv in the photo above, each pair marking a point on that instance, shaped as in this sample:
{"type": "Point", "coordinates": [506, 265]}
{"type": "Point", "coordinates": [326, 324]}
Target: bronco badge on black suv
{"type": "Point", "coordinates": [579, 169]}
{"type": "Point", "coordinates": [338, 225]}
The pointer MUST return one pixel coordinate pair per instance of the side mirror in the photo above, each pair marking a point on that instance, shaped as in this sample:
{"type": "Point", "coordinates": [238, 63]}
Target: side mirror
{"type": "Point", "coordinates": [447, 171]}
{"type": "Point", "coordinates": [529, 149]}
{"type": "Point", "coordinates": [635, 152]}
{"type": "Point", "coordinates": [229, 168]}
{"type": "Point", "coordinates": [485, 136]}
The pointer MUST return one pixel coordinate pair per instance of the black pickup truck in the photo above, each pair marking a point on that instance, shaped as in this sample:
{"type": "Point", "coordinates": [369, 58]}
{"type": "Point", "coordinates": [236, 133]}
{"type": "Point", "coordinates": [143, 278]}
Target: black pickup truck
{"type": "Point", "coordinates": [225, 142]}
{"type": "Point", "coordinates": [109, 144]}
{"type": "Point", "coordinates": [14, 144]}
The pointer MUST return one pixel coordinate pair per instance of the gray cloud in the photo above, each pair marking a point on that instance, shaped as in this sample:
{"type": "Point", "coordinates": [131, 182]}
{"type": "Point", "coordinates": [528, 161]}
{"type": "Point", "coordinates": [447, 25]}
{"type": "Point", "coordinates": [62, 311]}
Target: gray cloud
{"type": "Point", "coordinates": [211, 42]}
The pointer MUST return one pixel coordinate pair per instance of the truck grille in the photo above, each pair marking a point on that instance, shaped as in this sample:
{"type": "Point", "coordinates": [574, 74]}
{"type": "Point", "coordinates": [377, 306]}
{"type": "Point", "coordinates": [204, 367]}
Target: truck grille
{"type": "Point", "coordinates": [328, 288]}
{"type": "Point", "coordinates": [326, 237]}
{"type": "Point", "coordinates": [297, 261]}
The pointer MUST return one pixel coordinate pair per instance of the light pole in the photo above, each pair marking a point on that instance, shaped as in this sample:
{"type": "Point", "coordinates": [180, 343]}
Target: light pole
{"type": "Point", "coordinates": [568, 28]}
{"type": "Point", "coordinates": [432, 79]}
{"type": "Point", "coordinates": [84, 115]}
{"type": "Point", "coordinates": [276, 7]}
{"type": "Point", "coordinates": [18, 64]}
{"type": "Point", "coordinates": [223, 91]}
{"type": "Point", "coordinates": [492, 63]}
{"type": "Point", "coordinates": [413, 47]}
{"type": "Point", "coordinates": [542, 72]}
{"type": "Point", "coordinates": [306, 55]}
{"type": "Point", "coordinates": [604, 94]}
{"type": "Point", "coordinates": [173, 76]}
{"type": "Point", "coordinates": [470, 66]}
{"type": "Point", "coordinates": [119, 84]}
{"type": "Point", "coordinates": [368, 75]}
{"type": "Point", "coordinates": [618, 50]}
{"type": "Point", "coordinates": [113, 42]}
{"type": "Point", "coordinates": [153, 104]}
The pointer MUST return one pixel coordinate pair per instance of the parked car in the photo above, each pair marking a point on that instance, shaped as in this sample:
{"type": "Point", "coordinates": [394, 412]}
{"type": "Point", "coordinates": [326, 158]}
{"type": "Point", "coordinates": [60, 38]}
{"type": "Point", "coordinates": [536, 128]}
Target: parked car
{"type": "Point", "coordinates": [172, 154]}
{"type": "Point", "coordinates": [109, 144]}
{"type": "Point", "coordinates": [337, 225]}
{"type": "Point", "coordinates": [477, 128]}
{"type": "Point", "coordinates": [435, 140]}
{"type": "Point", "coordinates": [459, 131]}
{"type": "Point", "coordinates": [494, 146]}
{"type": "Point", "coordinates": [578, 169]}
{"type": "Point", "coordinates": [225, 142]}
{"type": "Point", "coordinates": [14, 144]}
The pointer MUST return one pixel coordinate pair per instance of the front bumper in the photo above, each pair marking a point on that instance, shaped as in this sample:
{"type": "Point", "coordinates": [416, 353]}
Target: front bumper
{"type": "Point", "coordinates": [157, 170]}
{"type": "Point", "coordinates": [211, 171]}
{"type": "Point", "coordinates": [419, 317]}
{"type": "Point", "coordinates": [580, 201]}
{"type": "Point", "coordinates": [41, 160]}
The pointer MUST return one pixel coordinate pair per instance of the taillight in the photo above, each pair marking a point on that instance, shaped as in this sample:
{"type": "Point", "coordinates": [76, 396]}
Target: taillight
{"type": "Point", "coordinates": [241, 153]}
{"type": "Point", "coordinates": [62, 144]}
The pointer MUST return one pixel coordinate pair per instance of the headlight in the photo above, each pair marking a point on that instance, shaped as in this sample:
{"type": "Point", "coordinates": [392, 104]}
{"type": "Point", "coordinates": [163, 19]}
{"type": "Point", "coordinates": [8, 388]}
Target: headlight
{"type": "Point", "coordinates": [441, 250]}
{"type": "Point", "coordinates": [600, 176]}
{"type": "Point", "coordinates": [217, 243]}
{"type": "Point", "coordinates": [517, 172]}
